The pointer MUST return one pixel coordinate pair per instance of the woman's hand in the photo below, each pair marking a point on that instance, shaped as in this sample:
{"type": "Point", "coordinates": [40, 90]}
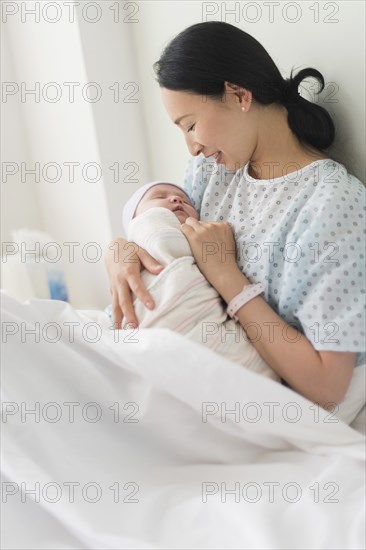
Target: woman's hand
{"type": "Point", "coordinates": [213, 247]}
{"type": "Point", "coordinates": [124, 260]}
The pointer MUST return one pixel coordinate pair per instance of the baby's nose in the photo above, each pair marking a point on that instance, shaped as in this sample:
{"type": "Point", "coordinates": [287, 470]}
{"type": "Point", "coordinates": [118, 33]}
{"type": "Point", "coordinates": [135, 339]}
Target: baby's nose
{"type": "Point", "coordinates": [177, 199]}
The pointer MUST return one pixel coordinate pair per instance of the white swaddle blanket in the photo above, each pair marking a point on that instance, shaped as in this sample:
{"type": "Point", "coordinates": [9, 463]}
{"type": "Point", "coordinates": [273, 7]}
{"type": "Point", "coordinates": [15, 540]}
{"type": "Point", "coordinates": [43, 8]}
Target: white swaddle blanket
{"type": "Point", "coordinates": [185, 302]}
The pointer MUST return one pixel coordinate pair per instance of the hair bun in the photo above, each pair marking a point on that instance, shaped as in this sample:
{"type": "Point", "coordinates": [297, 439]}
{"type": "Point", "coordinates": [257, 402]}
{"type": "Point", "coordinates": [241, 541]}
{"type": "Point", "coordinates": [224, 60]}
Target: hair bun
{"type": "Point", "coordinates": [289, 91]}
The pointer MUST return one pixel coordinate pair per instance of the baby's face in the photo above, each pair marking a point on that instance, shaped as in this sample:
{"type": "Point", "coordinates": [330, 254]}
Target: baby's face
{"type": "Point", "coordinates": [168, 196]}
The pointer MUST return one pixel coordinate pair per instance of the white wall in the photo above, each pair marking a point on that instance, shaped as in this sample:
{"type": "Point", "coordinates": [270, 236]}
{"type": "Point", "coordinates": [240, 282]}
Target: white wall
{"type": "Point", "coordinates": [335, 45]}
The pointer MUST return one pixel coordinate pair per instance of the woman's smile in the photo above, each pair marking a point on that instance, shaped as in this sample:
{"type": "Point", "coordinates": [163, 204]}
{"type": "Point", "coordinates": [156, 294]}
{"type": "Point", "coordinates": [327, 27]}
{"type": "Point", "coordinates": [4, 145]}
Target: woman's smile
{"type": "Point", "coordinates": [218, 157]}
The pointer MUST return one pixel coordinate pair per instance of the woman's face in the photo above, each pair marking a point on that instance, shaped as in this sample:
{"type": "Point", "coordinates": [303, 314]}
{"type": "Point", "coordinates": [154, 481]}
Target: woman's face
{"type": "Point", "coordinates": [211, 125]}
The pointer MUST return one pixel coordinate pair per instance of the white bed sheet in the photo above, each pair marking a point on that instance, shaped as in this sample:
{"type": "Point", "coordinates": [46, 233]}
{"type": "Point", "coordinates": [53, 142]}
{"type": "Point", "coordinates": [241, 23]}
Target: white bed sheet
{"type": "Point", "coordinates": [174, 462]}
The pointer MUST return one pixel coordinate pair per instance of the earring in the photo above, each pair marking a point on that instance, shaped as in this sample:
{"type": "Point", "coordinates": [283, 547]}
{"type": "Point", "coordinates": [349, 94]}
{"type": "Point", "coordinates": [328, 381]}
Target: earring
{"type": "Point", "coordinates": [243, 108]}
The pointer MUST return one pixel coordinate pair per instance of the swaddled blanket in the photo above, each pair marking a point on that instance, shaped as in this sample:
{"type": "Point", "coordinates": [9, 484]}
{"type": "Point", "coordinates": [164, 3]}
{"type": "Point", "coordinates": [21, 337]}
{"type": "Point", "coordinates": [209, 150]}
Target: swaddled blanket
{"type": "Point", "coordinates": [185, 302]}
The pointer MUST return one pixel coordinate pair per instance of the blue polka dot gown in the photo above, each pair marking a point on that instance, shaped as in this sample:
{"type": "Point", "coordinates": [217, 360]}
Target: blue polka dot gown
{"type": "Point", "coordinates": [303, 236]}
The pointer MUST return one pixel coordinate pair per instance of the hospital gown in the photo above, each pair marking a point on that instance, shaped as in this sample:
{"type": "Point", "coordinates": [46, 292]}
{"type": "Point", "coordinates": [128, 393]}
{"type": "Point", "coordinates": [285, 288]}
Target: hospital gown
{"type": "Point", "coordinates": [303, 236]}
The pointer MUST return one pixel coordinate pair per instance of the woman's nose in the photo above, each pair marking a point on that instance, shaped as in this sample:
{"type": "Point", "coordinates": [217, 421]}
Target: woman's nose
{"type": "Point", "coordinates": [194, 148]}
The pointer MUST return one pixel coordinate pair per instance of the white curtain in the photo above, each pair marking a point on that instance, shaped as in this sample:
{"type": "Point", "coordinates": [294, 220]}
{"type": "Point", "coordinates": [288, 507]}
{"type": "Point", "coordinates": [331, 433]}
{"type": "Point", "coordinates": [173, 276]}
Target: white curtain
{"type": "Point", "coordinates": [82, 131]}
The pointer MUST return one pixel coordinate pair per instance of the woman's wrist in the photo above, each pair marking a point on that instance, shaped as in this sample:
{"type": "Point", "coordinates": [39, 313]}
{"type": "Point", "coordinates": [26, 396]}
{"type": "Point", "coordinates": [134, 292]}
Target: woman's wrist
{"type": "Point", "coordinates": [230, 283]}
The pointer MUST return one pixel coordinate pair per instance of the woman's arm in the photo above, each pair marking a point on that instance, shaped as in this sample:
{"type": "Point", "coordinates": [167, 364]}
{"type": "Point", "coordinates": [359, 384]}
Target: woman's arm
{"type": "Point", "coordinates": [124, 261]}
{"type": "Point", "coordinates": [323, 376]}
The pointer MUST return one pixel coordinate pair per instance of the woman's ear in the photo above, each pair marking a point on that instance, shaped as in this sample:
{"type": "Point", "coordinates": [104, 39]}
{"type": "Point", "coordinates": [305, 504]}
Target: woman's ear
{"type": "Point", "coordinates": [231, 88]}
{"type": "Point", "coordinates": [242, 94]}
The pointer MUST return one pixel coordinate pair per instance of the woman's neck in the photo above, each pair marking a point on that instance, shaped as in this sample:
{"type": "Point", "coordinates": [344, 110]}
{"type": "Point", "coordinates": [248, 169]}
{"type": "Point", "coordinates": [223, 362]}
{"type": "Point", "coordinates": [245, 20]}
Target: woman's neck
{"type": "Point", "coordinates": [279, 151]}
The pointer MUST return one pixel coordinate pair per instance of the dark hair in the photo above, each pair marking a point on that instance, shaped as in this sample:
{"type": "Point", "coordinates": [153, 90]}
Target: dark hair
{"type": "Point", "coordinates": [203, 56]}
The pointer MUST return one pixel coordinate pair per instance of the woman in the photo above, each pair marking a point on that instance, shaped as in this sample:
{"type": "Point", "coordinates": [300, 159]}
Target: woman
{"type": "Point", "coordinates": [276, 185]}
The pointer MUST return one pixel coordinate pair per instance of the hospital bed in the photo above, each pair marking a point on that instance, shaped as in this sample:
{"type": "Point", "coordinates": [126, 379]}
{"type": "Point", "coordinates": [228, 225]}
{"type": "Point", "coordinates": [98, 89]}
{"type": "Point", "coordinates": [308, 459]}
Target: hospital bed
{"type": "Point", "coordinates": [144, 439]}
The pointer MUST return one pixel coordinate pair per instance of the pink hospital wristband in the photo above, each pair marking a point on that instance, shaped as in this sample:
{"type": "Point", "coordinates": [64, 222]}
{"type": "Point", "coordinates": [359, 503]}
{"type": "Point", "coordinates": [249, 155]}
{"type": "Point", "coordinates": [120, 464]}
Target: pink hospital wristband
{"type": "Point", "coordinates": [248, 292]}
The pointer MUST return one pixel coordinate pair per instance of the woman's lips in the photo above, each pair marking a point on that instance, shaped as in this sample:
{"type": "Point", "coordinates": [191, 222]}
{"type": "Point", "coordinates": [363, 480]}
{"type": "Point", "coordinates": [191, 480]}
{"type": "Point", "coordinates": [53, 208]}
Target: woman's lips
{"type": "Point", "coordinates": [218, 157]}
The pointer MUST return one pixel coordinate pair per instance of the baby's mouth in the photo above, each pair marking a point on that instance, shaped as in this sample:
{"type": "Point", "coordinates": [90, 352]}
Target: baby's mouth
{"type": "Point", "coordinates": [179, 208]}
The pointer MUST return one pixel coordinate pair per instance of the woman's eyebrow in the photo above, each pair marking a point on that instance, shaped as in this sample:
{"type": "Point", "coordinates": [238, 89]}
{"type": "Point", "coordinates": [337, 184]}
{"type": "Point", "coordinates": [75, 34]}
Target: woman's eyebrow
{"type": "Point", "coordinates": [181, 118]}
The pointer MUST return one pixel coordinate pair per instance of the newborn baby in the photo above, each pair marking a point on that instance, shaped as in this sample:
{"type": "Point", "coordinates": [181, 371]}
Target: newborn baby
{"type": "Point", "coordinates": [165, 195]}
{"type": "Point", "coordinates": [185, 300]}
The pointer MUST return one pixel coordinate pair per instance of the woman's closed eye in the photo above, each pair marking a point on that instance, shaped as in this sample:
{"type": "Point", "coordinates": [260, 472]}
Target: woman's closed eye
{"type": "Point", "coordinates": [191, 128]}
